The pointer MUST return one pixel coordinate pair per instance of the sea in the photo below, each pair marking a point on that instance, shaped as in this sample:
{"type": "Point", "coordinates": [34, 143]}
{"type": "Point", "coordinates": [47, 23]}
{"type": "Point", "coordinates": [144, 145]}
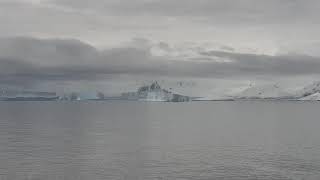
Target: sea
{"type": "Point", "coordinates": [120, 140]}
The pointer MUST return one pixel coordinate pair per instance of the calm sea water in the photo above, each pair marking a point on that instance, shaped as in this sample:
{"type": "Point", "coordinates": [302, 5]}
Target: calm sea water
{"type": "Point", "coordinates": [159, 141]}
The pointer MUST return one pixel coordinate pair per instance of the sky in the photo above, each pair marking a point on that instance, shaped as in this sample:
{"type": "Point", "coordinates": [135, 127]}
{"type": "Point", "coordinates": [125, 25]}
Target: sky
{"type": "Point", "coordinates": [112, 44]}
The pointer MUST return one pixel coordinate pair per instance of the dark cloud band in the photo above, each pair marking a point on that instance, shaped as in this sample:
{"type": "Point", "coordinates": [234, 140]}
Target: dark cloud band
{"type": "Point", "coordinates": [31, 60]}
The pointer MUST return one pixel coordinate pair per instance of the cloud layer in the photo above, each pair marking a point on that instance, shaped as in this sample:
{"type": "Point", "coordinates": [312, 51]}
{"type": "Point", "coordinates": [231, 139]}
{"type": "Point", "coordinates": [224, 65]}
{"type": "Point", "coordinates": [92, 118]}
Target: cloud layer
{"type": "Point", "coordinates": [30, 61]}
{"type": "Point", "coordinates": [80, 40]}
{"type": "Point", "coordinates": [260, 11]}
{"type": "Point", "coordinates": [266, 25]}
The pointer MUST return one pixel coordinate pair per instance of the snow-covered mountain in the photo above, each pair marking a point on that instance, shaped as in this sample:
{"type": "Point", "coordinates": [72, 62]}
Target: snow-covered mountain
{"type": "Point", "coordinates": [312, 97]}
{"type": "Point", "coordinates": [264, 92]}
{"type": "Point", "coordinates": [309, 90]}
{"type": "Point", "coordinates": [308, 93]}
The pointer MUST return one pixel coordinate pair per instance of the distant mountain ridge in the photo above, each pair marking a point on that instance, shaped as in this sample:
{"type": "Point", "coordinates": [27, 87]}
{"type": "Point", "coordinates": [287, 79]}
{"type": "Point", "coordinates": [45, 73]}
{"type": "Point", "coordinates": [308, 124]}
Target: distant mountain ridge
{"type": "Point", "coordinates": [264, 92]}
{"type": "Point", "coordinates": [154, 92]}
{"type": "Point", "coordinates": [13, 95]}
{"type": "Point", "coordinates": [308, 93]}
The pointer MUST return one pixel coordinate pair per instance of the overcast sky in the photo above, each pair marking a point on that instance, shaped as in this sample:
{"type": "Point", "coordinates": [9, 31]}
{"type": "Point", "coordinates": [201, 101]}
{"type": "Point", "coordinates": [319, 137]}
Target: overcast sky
{"type": "Point", "coordinates": [60, 41]}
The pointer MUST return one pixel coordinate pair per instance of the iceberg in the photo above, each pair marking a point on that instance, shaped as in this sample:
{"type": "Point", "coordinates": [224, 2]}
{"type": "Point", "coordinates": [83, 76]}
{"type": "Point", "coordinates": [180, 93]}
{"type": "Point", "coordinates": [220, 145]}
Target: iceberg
{"type": "Point", "coordinates": [154, 93]}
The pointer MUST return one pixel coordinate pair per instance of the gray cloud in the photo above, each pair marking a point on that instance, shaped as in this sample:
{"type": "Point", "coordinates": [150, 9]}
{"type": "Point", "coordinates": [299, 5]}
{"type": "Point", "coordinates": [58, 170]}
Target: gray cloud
{"type": "Point", "coordinates": [28, 61]}
{"type": "Point", "coordinates": [290, 64]}
{"type": "Point", "coordinates": [248, 11]}
{"type": "Point", "coordinates": [266, 25]}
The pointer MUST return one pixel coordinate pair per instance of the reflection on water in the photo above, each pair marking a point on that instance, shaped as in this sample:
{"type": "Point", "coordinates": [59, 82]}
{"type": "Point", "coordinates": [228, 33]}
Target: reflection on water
{"type": "Point", "coordinates": [161, 141]}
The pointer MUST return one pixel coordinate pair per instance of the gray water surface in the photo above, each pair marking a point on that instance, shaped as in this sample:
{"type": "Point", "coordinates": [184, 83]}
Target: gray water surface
{"type": "Point", "coordinates": [159, 141]}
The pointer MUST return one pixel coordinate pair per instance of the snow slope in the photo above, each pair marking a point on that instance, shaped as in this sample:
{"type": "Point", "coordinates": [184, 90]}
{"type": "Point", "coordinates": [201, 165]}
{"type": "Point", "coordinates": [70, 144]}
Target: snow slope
{"type": "Point", "coordinates": [312, 97]}
{"type": "Point", "coordinates": [264, 92]}
{"type": "Point", "coordinates": [312, 89]}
